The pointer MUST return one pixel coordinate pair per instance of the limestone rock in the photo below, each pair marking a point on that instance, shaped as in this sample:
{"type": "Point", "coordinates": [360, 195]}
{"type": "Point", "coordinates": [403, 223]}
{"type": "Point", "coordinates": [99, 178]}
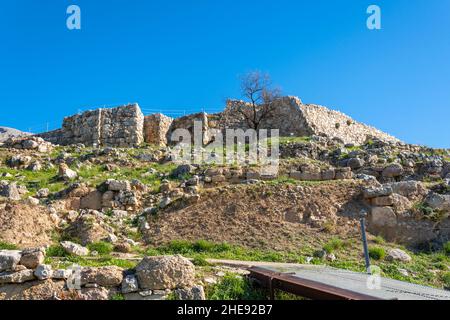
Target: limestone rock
{"type": "Point", "coordinates": [32, 258]}
{"type": "Point", "coordinates": [75, 249]}
{"type": "Point", "coordinates": [17, 277]}
{"type": "Point", "coordinates": [438, 201]}
{"type": "Point", "coordinates": [375, 192]}
{"type": "Point", "coordinates": [118, 185]}
{"type": "Point", "coordinates": [168, 272]}
{"type": "Point", "coordinates": [194, 293]}
{"type": "Point", "coordinates": [383, 216]}
{"type": "Point", "coordinates": [9, 190]}
{"type": "Point", "coordinates": [110, 276]}
{"type": "Point", "coordinates": [65, 173]}
{"type": "Point", "coordinates": [398, 255]}
{"type": "Point", "coordinates": [130, 284]}
{"type": "Point", "coordinates": [393, 170]}
{"type": "Point", "coordinates": [43, 272]}
{"type": "Point", "coordinates": [9, 259]}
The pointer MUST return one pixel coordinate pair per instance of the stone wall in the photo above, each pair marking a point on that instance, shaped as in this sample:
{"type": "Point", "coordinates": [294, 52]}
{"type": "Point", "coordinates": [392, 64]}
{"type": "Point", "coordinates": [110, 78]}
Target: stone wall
{"type": "Point", "coordinates": [156, 127]}
{"type": "Point", "coordinates": [188, 123]}
{"type": "Point", "coordinates": [124, 126]}
{"type": "Point", "coordinates": [334, 124]}
{"type": "Point", "coordinates": [117, 127]}
{"type": "Point", "coordinates": [293, 118]}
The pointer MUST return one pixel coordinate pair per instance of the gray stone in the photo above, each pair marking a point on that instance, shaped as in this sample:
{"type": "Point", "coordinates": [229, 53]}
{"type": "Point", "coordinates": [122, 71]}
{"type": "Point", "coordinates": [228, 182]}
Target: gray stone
{"type": "Point", "coordinates": [43, 272]}
{"type": "Point", "coordinates": [9, 259]}
{"type": "Point", "coordinates": [383, 216]}
{"type": "Point", "coordinates": [438, 201]}
{"type": "Point", "coordinates": [393, 170]}
{"type": "Point", "coordinates": [118, 185]}
{"type": "Point", "coordinates": [130, 284]}
{"type": "Point", "coordinates": [375, 192]}
{"type": "Point", "coordinates": [75, 249]}
{"type": "Point", "coordinates": [17, 277]}
{"type": "Point", "coordinates": [355, 163]}
{"type": "Point", "coordinates": [194, 293]}
{"type": "Point", "coordinates": [9, 190]}
{"type": "Point", "coordinates": [398, 255]}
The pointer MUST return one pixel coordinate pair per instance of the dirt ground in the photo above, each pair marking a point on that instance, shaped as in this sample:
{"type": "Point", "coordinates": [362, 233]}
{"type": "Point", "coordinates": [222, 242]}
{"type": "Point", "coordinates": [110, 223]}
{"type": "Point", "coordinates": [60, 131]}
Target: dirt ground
{"type": "Point", "coordinates": [278, 217]}
{"type": "Point", "coordinates": [25, 225]}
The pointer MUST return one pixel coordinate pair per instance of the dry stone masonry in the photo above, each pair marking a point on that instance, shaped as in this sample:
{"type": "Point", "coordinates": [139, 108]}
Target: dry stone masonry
{"type": "Point", "coordinates": [127, 127]}
{"type": "Point", "coordinates": [117, 127]}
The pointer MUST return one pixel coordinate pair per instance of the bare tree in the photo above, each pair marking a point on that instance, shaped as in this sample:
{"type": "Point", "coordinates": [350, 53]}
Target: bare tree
{"type": "Point", "coordinates": [259, 97]}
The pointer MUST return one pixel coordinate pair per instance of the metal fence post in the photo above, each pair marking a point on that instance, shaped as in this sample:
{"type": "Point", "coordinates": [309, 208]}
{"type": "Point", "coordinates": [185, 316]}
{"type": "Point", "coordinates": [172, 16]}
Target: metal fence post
{"type": "Point", "coordinates": [363, 215]}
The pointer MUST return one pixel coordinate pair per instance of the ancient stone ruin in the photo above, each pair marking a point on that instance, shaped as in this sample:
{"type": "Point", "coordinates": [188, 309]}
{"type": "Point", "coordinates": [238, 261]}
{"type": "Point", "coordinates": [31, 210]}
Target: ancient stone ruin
{"type": "Point", "coordinates": [117, 127]}
{"type": "Point", "coordinates": [127, 127]}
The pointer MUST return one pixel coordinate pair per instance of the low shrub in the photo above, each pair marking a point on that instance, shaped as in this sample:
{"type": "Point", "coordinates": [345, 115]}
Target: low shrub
{"type": "Point", "coordinates": [377, 253]}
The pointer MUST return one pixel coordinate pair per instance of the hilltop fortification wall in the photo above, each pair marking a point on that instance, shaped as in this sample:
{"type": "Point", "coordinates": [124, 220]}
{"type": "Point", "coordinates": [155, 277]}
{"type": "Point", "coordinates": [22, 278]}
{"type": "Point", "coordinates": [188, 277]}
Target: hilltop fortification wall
{"type": "Point", "coordinates": [126, 126]}
{"type": "Point", "coordinates": [117, 127]}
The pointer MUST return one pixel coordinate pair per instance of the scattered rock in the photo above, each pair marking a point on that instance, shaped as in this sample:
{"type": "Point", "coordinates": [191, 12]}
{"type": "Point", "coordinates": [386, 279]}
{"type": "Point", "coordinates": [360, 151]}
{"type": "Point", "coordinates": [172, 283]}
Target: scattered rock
{"type": "Point", "coordinates": [9, 190]}
{"type": "Point", "coordinates": [398, 255]}
{"type": "Point", "coordinates": [194, 293]}
{"type": "Point", "coordinates": [65, 173]}
{"type": "Point", "coordinates": [75, 249]}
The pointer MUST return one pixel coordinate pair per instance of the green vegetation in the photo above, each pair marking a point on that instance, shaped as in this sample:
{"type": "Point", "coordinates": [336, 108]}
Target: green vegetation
{"type": "Point", "coordinates": [205, 249]}
{"type": "Point", "coordinates": [234, 287]}
{"type": "Point", "coordinates": [377, 253]}
{"type": "Point", "coordinates": [7, 246]}
{"type": "Point", "coordinates": [447, 248]}
{"type": "Point", "coordinates": [103, 248]}
{"type": "Point", "coordinates": [118, 297]}
{"type": "Point", "coordinates": [333, 245]}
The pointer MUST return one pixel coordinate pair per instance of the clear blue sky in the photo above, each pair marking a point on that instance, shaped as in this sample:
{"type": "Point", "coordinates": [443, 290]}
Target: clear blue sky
{"type": "Point", "coordinates": [188, 54]}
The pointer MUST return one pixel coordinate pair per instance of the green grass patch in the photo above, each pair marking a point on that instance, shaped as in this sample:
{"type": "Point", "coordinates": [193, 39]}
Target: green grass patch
{"type": "Point", "coordinates": [377, 253]}
{"type": "Point", "coordinates": [334, 244]}
{"type": "Point", "coordinates": [103, 248]}
{"type": "Point", "coordinates": [7, 246]}
{"type": "Point", "coordinates": [447, 248]}
{"type": "Point", "coordinates": [234, 287]}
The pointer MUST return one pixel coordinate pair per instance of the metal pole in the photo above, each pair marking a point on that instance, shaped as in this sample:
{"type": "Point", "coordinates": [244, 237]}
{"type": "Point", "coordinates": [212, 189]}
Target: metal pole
{"type": "Point", "coordinates": [364, 239]}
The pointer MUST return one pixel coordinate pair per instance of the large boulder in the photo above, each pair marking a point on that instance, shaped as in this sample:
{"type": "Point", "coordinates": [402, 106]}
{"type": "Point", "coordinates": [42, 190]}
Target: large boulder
{"type": "Point", "coordinates": [9, 259]}
{"type": "Point", "coordinates": [167, 272]}
{"type": "Point", "coordinates": [92, 200]}
{"type": "Point", "coordinates": [383, 216]}
{"type": "Point", "coordinates": [408, 188]}
{"type": "Point", "coordinates": [118, 185]}
{"type": "Point", "coordinates": [438, 201]}
{"type": "Point", "coordinates": [392, 171]}
{"type": "Point", "coordinates": [375, 192]}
